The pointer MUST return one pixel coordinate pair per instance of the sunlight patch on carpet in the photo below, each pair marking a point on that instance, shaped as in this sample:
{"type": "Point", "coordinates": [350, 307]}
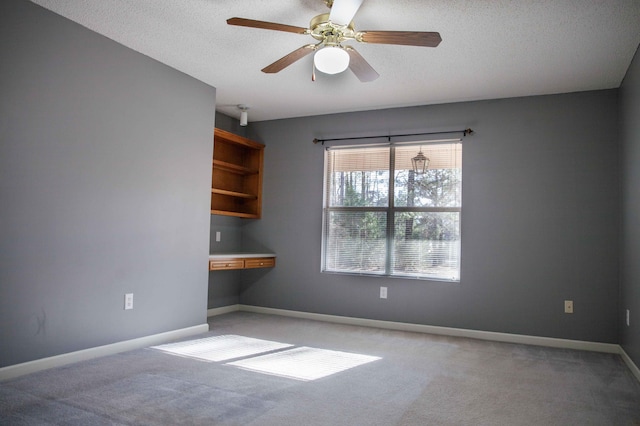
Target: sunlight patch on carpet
{"type": "Point", "coordinates": [304, 363]}
{"type": "Point", "coordinates": [221, 348]}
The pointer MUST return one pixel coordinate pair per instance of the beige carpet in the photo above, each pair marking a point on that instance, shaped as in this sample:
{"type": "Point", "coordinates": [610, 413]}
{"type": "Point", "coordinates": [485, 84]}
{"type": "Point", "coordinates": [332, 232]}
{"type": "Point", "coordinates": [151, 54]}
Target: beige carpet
{"type": "Point", "coordinates": [389, 378]}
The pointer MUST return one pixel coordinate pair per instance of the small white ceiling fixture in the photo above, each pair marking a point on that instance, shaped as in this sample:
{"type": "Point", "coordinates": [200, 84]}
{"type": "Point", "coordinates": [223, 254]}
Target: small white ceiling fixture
{"type": "Point", "coordinates": [244, 115]}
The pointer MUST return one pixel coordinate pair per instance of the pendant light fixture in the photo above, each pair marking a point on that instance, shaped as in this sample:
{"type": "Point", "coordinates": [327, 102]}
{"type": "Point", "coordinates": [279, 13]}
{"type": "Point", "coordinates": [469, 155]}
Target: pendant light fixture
{"type": "Point", "coordinates": [420, 163]}
{"type": "Point", "coordinates": [244, 116]}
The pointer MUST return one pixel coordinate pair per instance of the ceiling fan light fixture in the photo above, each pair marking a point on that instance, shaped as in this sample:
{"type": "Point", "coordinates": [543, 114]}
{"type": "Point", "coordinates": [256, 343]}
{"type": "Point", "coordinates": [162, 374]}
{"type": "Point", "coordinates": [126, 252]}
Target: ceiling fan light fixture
{"type": "Point", "coordinates": [331, 30]}
{"type": "Point", "coordinates": [331, 60]}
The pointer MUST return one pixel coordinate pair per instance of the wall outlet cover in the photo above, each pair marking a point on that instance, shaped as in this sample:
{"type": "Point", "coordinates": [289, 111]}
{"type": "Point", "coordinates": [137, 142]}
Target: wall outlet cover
{"type": "Point", "coordinates": [568, 306]}
{"type": "Point", "coordinates": [383, 292]}
{"type": "Point", "coordinates": [128, 301]}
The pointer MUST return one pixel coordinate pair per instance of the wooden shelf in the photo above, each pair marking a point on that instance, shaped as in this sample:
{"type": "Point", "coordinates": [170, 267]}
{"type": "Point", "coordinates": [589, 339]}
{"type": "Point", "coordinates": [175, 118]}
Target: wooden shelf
{"type": "Point", "coordinates": [236, 180]}
{"type": "Point", "coordinates": [234, 194]}
{"type": "Point", "coordinates": [235, 213]}
{"type": "Point", "coordinates": [234, 168]}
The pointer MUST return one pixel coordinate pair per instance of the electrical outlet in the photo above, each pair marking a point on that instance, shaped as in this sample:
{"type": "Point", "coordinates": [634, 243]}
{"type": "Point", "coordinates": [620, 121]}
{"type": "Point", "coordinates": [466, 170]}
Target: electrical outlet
{"type": "Point", "coordinates": [128, 301]}
{"type": "Point", "coordinates": [627, 318]}
{"type": "Point", "coordinates": [568, 306]}
{"type": "Point", "coordinates": [218, 236]}
{"type": "Point", "coordinates": [383, 292]}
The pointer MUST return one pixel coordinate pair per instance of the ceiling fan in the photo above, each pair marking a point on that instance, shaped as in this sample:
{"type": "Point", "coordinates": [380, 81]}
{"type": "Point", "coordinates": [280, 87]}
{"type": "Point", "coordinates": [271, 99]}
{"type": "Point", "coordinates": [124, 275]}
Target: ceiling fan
{"type": "Point", "coordinates": [331, 30]}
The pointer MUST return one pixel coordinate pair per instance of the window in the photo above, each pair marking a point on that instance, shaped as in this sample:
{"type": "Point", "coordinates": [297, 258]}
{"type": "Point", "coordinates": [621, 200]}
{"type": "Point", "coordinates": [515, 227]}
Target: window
{"type": "Point", "coordinates": [382, 218]}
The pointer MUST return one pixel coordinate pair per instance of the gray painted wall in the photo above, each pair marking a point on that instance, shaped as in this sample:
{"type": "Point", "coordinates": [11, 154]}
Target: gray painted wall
{"type": "Point", "coordinates": [630, 276]}
{"type": "Point", "coordinates": [104, 181]}
{"type": "Point", "coordinates": [230, 124]}
{"type": "Point", "coordinates": [540, 221]}
{"type": "Point", "coordinates": [224, 286]}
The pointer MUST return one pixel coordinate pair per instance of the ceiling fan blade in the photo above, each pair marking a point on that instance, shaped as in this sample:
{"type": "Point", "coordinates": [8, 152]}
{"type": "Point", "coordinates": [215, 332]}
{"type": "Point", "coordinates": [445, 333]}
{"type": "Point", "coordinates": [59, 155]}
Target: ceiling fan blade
{"type": "Point", "coordinates": [360, 66]}
{"type": "Point", "coordinates": [243, 22]}
{"type": "Point", "coordinates": [343, 11]}
{"type": "Point", "coordinates": [406, 38]}
{"type": "Point", "coordinates": [289, 59]}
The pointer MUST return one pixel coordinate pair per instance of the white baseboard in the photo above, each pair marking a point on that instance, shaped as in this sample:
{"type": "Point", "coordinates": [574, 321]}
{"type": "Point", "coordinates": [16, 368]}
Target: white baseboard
{"type": "Point", "coordinates": [632, 366]}
{"type": "Point", "coordinates": [17, 370]}
{"type": "Point", "coordinates": [446, 331]}
{"type": "Point", "coordinates": [222, 310]}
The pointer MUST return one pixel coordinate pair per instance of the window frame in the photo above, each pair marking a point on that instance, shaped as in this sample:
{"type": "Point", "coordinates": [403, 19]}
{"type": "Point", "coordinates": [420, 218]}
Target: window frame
{"type": "Point", "coordinates": [390, 211]}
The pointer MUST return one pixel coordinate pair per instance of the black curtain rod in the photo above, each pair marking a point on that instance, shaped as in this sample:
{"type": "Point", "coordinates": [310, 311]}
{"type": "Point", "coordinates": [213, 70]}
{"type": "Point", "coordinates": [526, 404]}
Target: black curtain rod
{"type": "Point", "coordinates": [464, 132]}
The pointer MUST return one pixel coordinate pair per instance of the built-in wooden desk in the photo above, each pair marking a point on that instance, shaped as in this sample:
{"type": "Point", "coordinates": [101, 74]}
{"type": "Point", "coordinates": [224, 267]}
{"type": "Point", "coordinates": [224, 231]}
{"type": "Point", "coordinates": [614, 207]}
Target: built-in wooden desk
{"type": "Point", "coordinates": [226, 261]}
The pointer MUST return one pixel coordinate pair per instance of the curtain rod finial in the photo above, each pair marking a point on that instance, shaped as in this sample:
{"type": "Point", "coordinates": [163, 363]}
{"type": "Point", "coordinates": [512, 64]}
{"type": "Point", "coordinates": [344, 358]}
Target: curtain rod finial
{"type": "Point", "coordinates": [468, 131]}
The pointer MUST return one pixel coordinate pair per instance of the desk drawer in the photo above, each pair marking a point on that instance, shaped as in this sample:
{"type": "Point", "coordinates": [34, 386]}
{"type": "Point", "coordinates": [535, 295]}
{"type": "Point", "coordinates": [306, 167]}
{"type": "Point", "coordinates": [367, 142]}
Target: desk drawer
{"type": "Point", "coordinates": [260, 262]}
{"type": "Point", "coordinates": [221, 264]}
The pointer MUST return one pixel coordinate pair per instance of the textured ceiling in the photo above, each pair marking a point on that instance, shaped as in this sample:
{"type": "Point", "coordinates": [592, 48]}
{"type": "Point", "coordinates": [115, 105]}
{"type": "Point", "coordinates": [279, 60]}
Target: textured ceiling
{"type": "Point", "coordinates": [490, 49]}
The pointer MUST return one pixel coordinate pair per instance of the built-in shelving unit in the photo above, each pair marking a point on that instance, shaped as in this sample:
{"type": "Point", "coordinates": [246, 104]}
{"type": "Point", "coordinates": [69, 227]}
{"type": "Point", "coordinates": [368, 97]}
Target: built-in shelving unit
{"type": "Point", "coordinates": [236, 183]}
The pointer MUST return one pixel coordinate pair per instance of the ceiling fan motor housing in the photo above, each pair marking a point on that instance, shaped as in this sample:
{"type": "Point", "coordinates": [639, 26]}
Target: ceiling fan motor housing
{"type": "Point", "coordinates": [329, 33]}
